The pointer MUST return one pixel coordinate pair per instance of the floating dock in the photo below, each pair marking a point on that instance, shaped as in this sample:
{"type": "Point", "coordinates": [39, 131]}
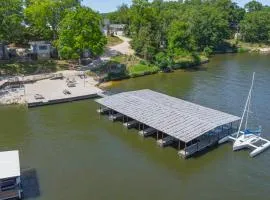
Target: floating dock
{"type": "Point", "coordinates": [191, 126]}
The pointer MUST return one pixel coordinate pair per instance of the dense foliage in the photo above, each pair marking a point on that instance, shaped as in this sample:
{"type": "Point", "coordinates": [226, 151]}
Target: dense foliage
{"type": "Point", "coordinates": [255, 27]}
{"type": "Point", "coordinates": [79, 31]}
{"type": "Point", "coordinates": [70, 26]}
{"type": "Point", "coordinates": [159, 28]}
{"type": "Point", "coordinates": [11, 17]}
{"type": "Point", "coordinates": [164, 29]}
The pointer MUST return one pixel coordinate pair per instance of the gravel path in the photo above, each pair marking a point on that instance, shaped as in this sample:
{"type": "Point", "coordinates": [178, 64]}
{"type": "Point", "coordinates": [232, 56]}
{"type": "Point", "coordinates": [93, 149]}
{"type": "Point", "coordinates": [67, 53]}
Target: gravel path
{"type": "Point", "coordinates": [124, 47]}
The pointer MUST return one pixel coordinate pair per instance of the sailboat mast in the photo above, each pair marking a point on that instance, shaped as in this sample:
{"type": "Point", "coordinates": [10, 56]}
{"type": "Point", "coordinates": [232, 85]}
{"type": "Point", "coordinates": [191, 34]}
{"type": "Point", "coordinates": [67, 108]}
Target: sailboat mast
{"type": "Point", "coordinates": [248, 110]}
{"type": "Point", "coordinates": [247, 102]}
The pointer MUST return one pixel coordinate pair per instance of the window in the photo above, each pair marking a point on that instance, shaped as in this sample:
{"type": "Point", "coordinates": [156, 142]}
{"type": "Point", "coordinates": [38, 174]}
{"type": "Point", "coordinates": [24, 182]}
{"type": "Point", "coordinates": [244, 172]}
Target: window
{"type": "Point", "coordinates": [43, 47]}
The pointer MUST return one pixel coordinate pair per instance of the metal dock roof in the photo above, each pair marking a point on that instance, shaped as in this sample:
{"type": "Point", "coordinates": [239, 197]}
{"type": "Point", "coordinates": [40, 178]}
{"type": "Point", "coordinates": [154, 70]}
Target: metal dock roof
{"type": "Point", "coordinates": [178, 118]}
{"type": "Point", "coordinates": [9, 164]}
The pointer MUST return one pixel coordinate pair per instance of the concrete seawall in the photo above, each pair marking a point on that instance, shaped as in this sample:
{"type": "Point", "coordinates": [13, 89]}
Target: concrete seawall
{"type": "Point", "coordinates": [63, 100]}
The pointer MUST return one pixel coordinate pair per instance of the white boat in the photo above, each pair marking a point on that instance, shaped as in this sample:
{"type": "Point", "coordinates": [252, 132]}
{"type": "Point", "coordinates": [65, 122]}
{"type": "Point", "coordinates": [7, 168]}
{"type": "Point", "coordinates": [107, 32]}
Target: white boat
{"type": "Point", "coordinates": [247, 138]}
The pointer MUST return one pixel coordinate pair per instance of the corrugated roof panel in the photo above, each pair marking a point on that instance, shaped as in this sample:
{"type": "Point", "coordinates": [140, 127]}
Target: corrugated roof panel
{"type": "Point", "coordinates": [178, 118]}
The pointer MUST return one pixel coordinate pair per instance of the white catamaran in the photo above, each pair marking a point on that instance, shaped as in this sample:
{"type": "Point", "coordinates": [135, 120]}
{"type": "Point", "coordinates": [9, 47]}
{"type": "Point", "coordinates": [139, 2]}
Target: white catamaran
{"type": "Point", "coordinates": [248, 138]}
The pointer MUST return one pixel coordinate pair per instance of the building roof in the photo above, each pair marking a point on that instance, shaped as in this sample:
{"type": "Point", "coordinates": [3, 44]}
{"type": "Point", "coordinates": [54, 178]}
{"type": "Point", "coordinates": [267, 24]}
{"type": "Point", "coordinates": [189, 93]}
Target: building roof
{"type": "Point", "coordinates": [180, 119]}
{"type": "Point", "coordinates": [121, 26]}
{"type": "Point", "coordinates": [9, 164]}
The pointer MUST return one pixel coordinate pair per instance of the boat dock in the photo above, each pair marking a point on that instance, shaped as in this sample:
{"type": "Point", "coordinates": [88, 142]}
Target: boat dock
{"type": "Point", "coordinates": [10, 182]}
{"type": "Point", "coordinates": [147, 132]}
{"type": "Point", "coordinates": [190, 127]}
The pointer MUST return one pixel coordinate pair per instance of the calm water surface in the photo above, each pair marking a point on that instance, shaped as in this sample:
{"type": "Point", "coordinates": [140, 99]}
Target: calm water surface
{"type": "Point", "coordinates": [79, 155]}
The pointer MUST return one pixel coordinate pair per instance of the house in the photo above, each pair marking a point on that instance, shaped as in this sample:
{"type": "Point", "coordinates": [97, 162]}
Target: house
{"type": "Point", "coordinates": [113, 29]}
{"type": "Point", "coordinates": [117, 29]}
{"type": "Point", "coordinates": [10, 175]}
{"type": "Point", "coordinates": [40, 50]}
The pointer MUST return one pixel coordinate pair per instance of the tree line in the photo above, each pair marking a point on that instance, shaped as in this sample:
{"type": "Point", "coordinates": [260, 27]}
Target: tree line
{"type": "Point", "coordinates": [159, 29]}
{"type": "Point", "coordinates": [164, 29]}
{"type": "Point", "coordinates": [70, 26]}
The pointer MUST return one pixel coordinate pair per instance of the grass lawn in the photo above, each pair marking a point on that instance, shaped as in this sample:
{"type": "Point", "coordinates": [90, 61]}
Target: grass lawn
{"type": "Point", "coordinates": [246, 46]}
{"type": "Point", "coordinates": [134, 67]}
{"type": "Point", "coordinates": [113, 40]}
{"type": "Point", "coordinates": [126, 60]}
{"type": "Point", "coordinates": [141, 69]}
{"type": "Point", "coordinates": [189, 61]}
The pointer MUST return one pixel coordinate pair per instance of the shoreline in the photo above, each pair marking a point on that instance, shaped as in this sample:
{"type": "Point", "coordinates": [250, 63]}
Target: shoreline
{"type": "Point", "coordinates": [189, 66]}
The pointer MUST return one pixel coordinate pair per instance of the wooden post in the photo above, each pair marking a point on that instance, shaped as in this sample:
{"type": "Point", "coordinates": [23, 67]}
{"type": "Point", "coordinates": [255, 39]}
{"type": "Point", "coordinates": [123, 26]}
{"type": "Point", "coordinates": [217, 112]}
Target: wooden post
{"type": "Point", "coordinates": [179, 145]}
{"type": "Point", "coordinates": [185, 149]}
{"type": "Point", "coordinates": [157, 135]}
{"type": "Point", "coordinates": [99, 112]}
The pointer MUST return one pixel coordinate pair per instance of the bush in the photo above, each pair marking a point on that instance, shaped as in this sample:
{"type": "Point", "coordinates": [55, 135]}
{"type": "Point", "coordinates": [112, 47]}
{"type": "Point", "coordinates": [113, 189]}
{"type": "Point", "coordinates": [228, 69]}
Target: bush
{"type": "Point", "coordinates": [143, 62]}
{"type": "Point", "coordinates": [242, 50]}
{"type": "Point", "coordinates": [207, 51]}
{"type": "Point", "coordinates": [163, 61]}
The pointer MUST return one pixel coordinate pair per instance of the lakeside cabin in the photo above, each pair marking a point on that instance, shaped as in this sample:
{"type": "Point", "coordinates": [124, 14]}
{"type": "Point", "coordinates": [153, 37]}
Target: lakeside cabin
{"type": "Point", "coordinates": [113, 29]}
{"type": "Point", "coordinates": [41, 50]}
{"type": "Point", "coordinates": [187, 126]}
{"type": "Point", "coordinates": [10, 175]}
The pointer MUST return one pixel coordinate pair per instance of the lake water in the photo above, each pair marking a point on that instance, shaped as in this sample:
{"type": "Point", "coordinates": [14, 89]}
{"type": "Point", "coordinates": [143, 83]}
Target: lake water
{"type": "Point", "coordinates": [79, 155]}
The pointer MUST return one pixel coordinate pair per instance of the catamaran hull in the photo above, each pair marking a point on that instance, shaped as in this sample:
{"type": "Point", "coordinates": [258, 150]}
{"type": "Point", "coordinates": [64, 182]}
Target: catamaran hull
{"type": "Point", "coordinates": [259, 149]}
{"type": "Point", "coordinates": [228, 138]}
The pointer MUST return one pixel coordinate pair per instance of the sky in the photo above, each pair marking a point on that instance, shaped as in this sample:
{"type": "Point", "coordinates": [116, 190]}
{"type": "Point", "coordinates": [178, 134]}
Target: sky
{"type": "Point", "coordinates": [104, 6]}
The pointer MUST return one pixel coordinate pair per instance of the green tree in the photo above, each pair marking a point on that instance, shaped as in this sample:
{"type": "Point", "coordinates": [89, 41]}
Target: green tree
{"type": "Point", "coordinates": [121, 16]}
{"type": "Point", "coordinates": [208, 25]}
{"type": "Point", "coordinates": [78, 31]}
{"type": "Point", "coordinates": [144, 29]}
{"type": "Point", "coordinates": [256, 26]}
{"type": "Point", "coordinates": [47, 14]}
{"type": "Point", "coordinates": [180, 37]}
{"type": "Point", "coordinates": [11, 18]}
{"type": "Point", "coordinates": [253, 6]}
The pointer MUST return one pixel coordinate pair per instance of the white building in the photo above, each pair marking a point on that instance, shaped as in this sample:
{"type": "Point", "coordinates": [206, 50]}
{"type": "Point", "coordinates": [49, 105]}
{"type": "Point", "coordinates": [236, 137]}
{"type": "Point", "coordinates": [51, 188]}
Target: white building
{"type": "Point", "coordinates": [41, 49]}
{"type": "Point", "coordinates": [10, 175]}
